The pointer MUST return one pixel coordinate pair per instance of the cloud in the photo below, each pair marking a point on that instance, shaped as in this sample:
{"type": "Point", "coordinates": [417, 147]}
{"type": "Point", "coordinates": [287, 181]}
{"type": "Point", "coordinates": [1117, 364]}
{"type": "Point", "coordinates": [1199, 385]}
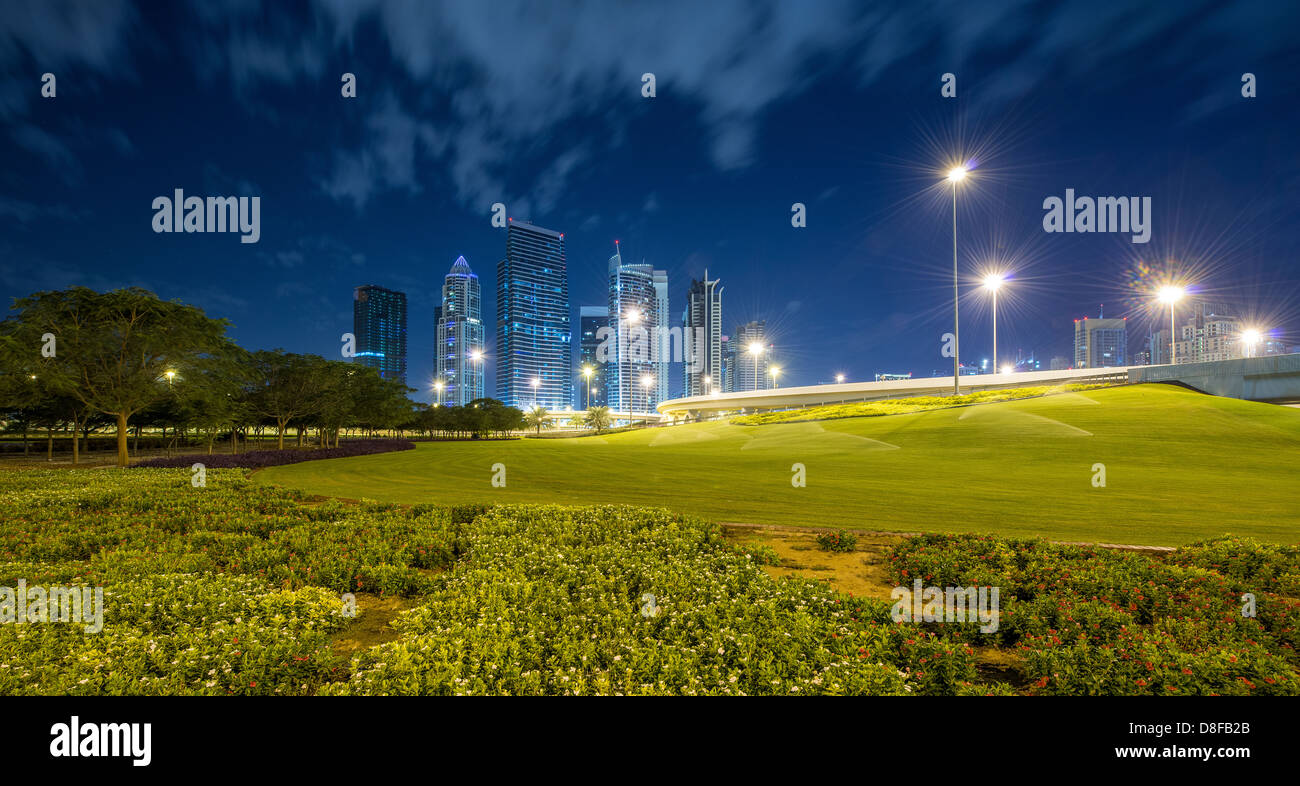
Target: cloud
{"type": "Point", "coordinates": [393, 142]}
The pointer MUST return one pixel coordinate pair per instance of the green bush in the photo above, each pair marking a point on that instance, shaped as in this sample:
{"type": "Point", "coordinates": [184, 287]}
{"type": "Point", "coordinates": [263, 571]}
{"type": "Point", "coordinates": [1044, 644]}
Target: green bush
{"type": "Point", "coordinates": [837, 541]}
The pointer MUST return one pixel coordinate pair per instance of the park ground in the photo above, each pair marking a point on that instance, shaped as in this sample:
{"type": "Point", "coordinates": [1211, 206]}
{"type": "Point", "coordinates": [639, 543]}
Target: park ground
{"type": "Point", "coordinates": [1178, 466]}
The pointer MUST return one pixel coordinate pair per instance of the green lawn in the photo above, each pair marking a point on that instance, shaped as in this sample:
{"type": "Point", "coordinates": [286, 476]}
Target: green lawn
{"type": "Point", "coordinates": [1180, 466]}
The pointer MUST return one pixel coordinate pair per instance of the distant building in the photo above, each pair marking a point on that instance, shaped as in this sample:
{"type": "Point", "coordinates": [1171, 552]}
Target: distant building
{"type": "Point", "coordinates": [379, 324]}
{"type": "Point", "coordinates": [590, 320]}
{"type": "Point", "coordinates": [728, 365]}
{"type": "Point", "coordinates": [748, 364]}
{"type": "Point", "coordinates": [534, 364]}
{"type": "Point", "coordinates": [702, 334]}
{"type": "Point", "coordinates": [459, 357]}
{"type": "Point", "coordinates": [635, 313]}
{"type": "Point", "coordinates": [1059, 363]}
{"type": "Point", "coordinates": [662, 340]}
{"type": "Point", "coordinates": [1100, 343]}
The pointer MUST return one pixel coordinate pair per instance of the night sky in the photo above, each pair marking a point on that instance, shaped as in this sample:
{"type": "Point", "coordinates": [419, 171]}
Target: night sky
{"type": "Point", "coordinates": [759, 105]}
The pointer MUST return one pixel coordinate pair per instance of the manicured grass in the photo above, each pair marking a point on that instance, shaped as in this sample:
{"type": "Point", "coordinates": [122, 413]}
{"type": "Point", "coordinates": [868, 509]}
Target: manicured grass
{"type": "Point", "coordinates": [1180, 467]}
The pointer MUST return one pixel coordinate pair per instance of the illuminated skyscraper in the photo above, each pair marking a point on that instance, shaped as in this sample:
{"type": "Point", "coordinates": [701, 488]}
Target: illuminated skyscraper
{"type": "Point", "coordinates": [379, 324]}
{"type": "Point", "coordinates": [534, 366]}
{"type": "Point", "coordinates": [702, 336]}
{"type": "Point", "coordinates": [460, 336]}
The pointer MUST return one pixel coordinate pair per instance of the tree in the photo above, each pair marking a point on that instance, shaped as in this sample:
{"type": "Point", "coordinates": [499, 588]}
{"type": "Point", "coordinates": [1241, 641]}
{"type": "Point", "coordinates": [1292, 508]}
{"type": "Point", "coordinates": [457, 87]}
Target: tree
{"type": "Point", "coordinates": [111, 350]}
{"type": "Point", "coordinates": [285, 387]}
{"type": "Point", "coordinates": [598, 418]}
{"type": "Point", "coordinates": [536, 418]}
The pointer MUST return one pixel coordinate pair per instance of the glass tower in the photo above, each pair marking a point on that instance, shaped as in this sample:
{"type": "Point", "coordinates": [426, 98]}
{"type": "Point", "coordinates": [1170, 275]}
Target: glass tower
{"type": "Point", "coordinates": [459, 360]}
{"type": "Point", "coordinates": [702, 334]}
{"type": "Point", "coordinates": [379, 324]}
{"type": "Point", "coordinates": [591, 320]}
{"type": "Point", "coordinates": [534, 364]}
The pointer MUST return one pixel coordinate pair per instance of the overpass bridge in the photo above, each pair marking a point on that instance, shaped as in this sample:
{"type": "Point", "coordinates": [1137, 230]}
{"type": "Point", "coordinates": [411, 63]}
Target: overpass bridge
{"type": "Point", "coordinates": [1273, 378]}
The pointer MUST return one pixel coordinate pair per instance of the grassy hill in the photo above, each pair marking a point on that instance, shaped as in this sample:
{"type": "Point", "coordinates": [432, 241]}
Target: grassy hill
{"type": "Point", "coordinates": [1180, 466]}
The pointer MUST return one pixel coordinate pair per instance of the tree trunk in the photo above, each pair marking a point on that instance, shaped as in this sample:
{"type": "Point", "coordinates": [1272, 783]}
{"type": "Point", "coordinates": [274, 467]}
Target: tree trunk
{"type": "Point", "coordinates": [279, 433]}
{"type": "Point", "coordinates": [25, 445]}
{"type": "Point", "coordinates": [49, 443]}
{"type": "Point", "coordinates": [76, 441]}
{"type": "Point", "coordinates": [121, 439]}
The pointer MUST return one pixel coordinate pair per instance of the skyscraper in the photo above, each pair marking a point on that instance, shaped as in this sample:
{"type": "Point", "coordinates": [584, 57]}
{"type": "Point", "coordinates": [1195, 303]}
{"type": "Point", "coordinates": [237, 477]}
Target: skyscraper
{"type": "Point", "coordinates": [379, 324]}
{"type": "Point", "coordinates": [634, 313]}
{"type": "Point", "coordinates": [1099, 343]}
{"type": "Point", "coordinates": [458, 360]}
{"type": "Point", "coordinates": [590, 320]}
{"type": "Point", "coordinates": [534, 363]}
{"type": "Point", "coordinates": [662, 340]}
{"type": "Point", "coordinates": [751, 368]}
{"type": "Point", "coordinates": [702, 334]}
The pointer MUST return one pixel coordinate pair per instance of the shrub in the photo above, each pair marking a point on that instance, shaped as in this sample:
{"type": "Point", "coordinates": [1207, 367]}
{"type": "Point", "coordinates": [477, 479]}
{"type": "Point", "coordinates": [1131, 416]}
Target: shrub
{"type": "Point", "coordinates": [837, 541]}
{"type": "Point", "coordinates": [257, 459]}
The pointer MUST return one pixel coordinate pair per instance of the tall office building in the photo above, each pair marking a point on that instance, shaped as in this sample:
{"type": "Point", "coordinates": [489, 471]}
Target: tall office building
{"type": "Point", "coordinates": [728, 365]}
{"type": "Point", "coordinates": [750, 369]}
{"type": "Point", "coordinates": [590, 320]}
{"type": "Point", "coordinates": [663, 340]}
{"type": "Point", "coordinates": [702, 334]}
{"type": "Point", "coordinates": [534, 361]}
{"type": "Point", "coordinates": [379, 324]}
{"type": "Point", "coordinates": [459, 359]}
{"type": "Point", "coordinates": [1099, 343]}
{"type": "Point", "coordinates": [634, 316]}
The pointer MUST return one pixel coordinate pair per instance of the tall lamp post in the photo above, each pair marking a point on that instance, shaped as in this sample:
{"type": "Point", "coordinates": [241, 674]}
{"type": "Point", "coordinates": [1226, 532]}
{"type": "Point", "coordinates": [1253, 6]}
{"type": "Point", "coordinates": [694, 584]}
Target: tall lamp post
{"type": "Point", "coordinates": [438, 386]}
{"type": "Point", "coordinates": [993, 282]}
{"type": "Point", "coordinates": [955, 176]}
{"type": "Point", "coordinates": [774, 370]}
{"type": "Point", "coordinates": [646, 382]}
{"type": "Point", "coordinates": [1250, 337]}
{"type": "Point", "coordinates": [586, 373]}
{"type": "Point", "coordinates": [1172, 295]}
{"type": "Point", "coordinates": [535, 383]}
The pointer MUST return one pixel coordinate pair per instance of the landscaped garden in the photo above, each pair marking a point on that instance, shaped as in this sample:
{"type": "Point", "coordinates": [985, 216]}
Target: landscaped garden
{"type": "Point", "coordinates": [236, 588]}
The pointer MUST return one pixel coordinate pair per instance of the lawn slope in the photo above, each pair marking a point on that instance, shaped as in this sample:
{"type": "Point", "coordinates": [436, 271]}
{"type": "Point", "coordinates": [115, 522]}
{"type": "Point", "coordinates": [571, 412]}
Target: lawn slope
{"type": "Point", "coordinates": [1180, 466]}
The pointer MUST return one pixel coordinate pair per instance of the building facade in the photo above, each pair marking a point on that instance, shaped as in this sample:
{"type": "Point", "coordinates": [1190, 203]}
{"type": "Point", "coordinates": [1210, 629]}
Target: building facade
{"type": "Point", "coordinates": [634, 314]}
{"type": "Point", "coordinates": [379, 325]}
{"type": "Point", "coordinates": [1100, 343]}
{"type": "Point", "coordinates": [592, 389]}
{"type": "Point", "coordinates": [460, 332]}
{"type": "Point", "coordinates": [534, 359]}
{"type": "Point", "coordinates": [702, 338]}
{"type": "Point", "coordinates": [662, 341]}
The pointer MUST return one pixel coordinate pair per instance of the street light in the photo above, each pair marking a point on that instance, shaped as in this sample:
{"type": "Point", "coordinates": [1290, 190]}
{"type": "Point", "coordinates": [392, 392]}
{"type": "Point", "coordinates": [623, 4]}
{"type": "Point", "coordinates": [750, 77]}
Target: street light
{"type": "Point", "coordinates": [839, 379]}
{"type": "Point", "coordinates": [755, 349]}
{"type": "Point", "coordinates": [646, 382]}
{"type": "Point", "coordinates": [774, 370]}
{"type": "Point", "coordinates": [993, 282]}
{"type": "Point", "coordinates": [586, 372]}
{"type": "Point", "coordinates": [1171, 295]}
{"type": "Point", "coordinates": [955, 175]}
{"type": "Point", "coordinates": [1007, 369]}
{"type": "Point", "coordinates": [170, 376]}
{"type": "Point", "coordinates": [535, 382]}
{"type": "Point", "coordinates": [438, 385]}
{"type": "Point", "coordinates": [1251, 338]}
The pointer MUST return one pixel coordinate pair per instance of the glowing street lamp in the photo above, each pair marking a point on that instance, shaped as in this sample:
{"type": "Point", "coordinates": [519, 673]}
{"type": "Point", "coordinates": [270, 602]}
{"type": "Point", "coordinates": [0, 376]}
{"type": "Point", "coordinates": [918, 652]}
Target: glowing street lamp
{"type": "Point", "coordinates": [955, 175]}
{"type": "Point", "coordinates": [1251, 338]}
{"type": "Point", "coordinates": [170, 374]}
{"type": "Point", "coordinates": [438, 386]}
{"type": "Point", "coordinates": [587, 372]}
{"type": "Point", "coordinates": [839, 379]}
{"type": "Point", "coordinates": [774, 370]}
{"type": "Point", "coordinates": [993, 282]}
{"type": "Point", "coordinates": [1007, 369]}
{"type": "Point", "coordinates": [646, 382]}
{"type": "Point", "coordinates": [755, 349]}
{"type": "Point", "coordinates": [1171, 295]}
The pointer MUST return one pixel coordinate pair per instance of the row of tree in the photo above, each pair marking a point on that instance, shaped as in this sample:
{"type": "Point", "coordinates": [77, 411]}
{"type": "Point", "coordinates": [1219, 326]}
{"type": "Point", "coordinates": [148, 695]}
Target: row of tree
{"type": "Point", "coordinates": [78, 360]}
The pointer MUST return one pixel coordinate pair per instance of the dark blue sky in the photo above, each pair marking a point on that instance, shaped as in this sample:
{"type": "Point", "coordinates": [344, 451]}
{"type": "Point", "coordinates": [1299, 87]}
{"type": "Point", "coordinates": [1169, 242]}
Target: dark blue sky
{"type": "Point", "coordinates": [759, 105]}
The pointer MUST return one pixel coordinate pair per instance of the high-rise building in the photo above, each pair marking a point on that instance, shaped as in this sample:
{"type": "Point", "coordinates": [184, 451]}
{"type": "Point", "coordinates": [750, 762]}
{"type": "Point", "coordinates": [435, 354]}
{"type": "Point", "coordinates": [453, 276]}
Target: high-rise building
{"type": "Point", "coordinates": [662, 340]}
{"type": "Point", "coordinates": [634, 317]}
{"type": "Point", "coordinates": [459, 354]}
{"type": "Point", "coordinates": [702, 335]}
{"type": "Point", "coordinates": [590, 321]}
{"type": "Point", "coordinates": [1100, 343]}
{"type": "Point", "coordinates": [534, 364]}
{"type": "Point", "coordinates": [379, 324]}
{"type": "Point", "coordinates": [750, 368]}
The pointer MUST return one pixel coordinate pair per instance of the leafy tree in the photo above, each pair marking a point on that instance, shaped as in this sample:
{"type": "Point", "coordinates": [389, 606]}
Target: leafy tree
{"type": "Point", "coordinates": [285, 388]}
{"type": "Point", "coordinates": [598, 418]}
{"type": "Point", "coordinates": [112, 350]}
{"type": "Point", "coordinates": [536, 418]}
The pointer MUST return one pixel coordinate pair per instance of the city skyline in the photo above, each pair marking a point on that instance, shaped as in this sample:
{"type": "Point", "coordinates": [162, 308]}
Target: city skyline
{"type": "Point", "coordinates": [405, 178]}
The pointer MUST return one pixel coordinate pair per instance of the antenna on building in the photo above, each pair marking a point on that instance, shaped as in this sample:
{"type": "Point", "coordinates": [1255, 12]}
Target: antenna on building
{"type": "Point", "coordinates": [1101, 311]}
